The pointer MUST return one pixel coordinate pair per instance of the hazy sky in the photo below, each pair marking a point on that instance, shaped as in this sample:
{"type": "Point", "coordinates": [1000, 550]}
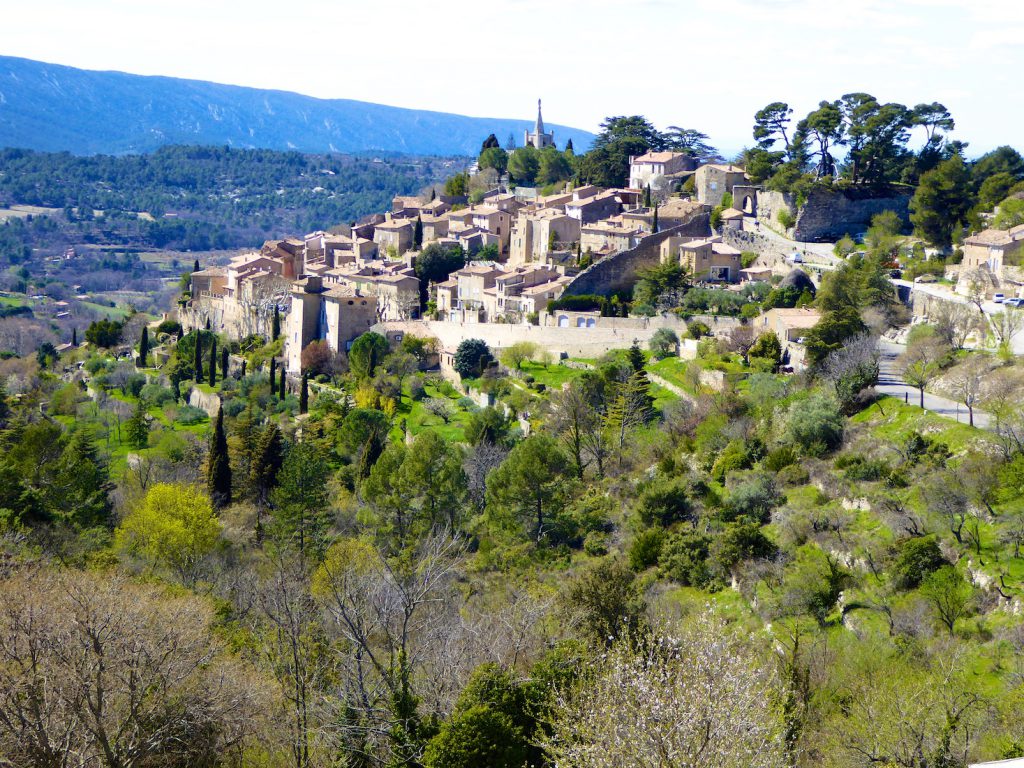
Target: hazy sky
{"type": "Point", "coordinates": [706, 64]}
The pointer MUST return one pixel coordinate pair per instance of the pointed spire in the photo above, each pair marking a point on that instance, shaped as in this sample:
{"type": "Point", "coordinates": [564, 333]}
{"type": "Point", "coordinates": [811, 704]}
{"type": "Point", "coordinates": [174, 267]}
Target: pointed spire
{"type": "Point", "coordinates": [539, 128]}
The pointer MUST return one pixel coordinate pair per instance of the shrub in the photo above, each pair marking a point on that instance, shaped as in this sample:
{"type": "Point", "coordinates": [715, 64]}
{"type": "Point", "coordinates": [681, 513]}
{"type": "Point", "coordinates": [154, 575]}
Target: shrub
{"type": "Point", "coordinates": [754, 498]}
{"type": "Point", "coordinates": [786, 218]}
{"type": "Point", "coordinates": [860, 468]}
{"type": "Point", "coordinates": [734, 457]}
{"type": "Point", "coordinates": [815, 425]}
{"type": "Point", "coordinates": [778, 458]}
{"type": "Point", "coordinates": [157, 395]}
{"type": "Point", "coordinates": [646, 549]}
{"type": "Point", "coordinates": [664, 502]}
{"type": "Point", "coordinates": [697, 329]}
{"type": "Point", "coordinates": [684, 558]}
{"type": "Point", "coordinates": [792, 476]}
{"type": "Point", "coordinates": [596, 544]}
{"type": "Point", "coordinates": [917, 558]}
{"type": "Point", "coordinates": [417, 389]}
{"type": "Point", "coordinates": [471, 357]}
{"type": "Point", "coordinates": [664, 343]}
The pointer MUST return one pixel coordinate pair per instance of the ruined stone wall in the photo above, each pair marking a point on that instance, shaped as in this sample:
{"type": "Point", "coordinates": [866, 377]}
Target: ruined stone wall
{"type": "Point", "coordinates": [618, 271]}
{"type": "Point", "coordinates": [828, 214]}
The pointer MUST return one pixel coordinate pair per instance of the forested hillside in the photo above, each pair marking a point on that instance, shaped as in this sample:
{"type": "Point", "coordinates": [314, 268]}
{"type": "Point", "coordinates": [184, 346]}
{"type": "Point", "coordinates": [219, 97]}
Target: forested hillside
{"type": "Point", "coordinates": [56, 108]}
{"type": "Point", "coordinates": [621, 559]}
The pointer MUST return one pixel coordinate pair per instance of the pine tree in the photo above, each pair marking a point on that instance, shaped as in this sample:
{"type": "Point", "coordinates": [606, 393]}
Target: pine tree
{"type": "Point", "coordinates": [74, 337]}
{"type": "Point", "coordinates": [417, 235]}
{"type": "Point", "coordinates": [137, 427]}
{"type": "Point", "coordinates": [635, 357]}
{"type": "Point", "coordinates": [218, 467]}
{"type": "Point", "coordinates": [144, 347]}
{"type": "Point", "coordinates": [213, 362]}
{"type": "Point", "coordinates": [281, 392]}
{"type": "Point", "coordinates": [300, 499]}
{"type": "Point", "coordinates": [569, 150]}
{"type": "Point", "coordinates": [224, 363]}
{"type": "Point", "coordinates": [304, 394]}
{"type": "Point", "coordinates": [197, 362]}
{"type": "Point", "coordinates": [82, 482]}
{"type": "Point", "coordinates": [276, 329]}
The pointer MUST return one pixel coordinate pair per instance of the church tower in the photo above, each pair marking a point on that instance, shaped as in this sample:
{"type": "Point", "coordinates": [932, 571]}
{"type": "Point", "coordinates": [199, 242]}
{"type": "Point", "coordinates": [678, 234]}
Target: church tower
{"type": "Point", "coordinates": [539, 138]}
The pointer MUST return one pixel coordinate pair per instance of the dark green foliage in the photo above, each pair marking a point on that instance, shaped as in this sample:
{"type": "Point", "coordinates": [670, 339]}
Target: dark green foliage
{"type": "Point", "coordinates": [645, 550]}
{"type": "Point", "coordinates": [684, 558]}
{"type": "Point", "coordinates": [367, 352]}
{"type": "Point", "coordinates": [608, 601]}
{"type": "Point", "coordinates": [304, 393]}
{"type": "Point", "coordinates": [529, 485]}
{"type": "Point", "coordinates": [197, 360]}
{"type": "Point", "coordinates": [144, 347]}
{"type": "Point", "coordinates": [767, 347]}
{"type": "Point", "coordinates": [916, 559]}
{"type": "Point", "coordinates": [581, 303]}
{"type": "Point", "coordinates": [104, 333]}
{"type": "Point", "coordinates": [486, 425]}
{"type": "Point", "coordinates": [940, 204]}
{"type": "Point", "coordinates": [753, 498]}
{"type": "Point", "coordinates": [265, 463]}
{"type": "Point", "coordinates": [831, 332]}
{"type": "Point", "coordinates": [434, 265]}
{"type": "Point", "coordinates": [224, 363]}
{"type": "Point", "coordinates": [273, 372]}
{"type": "Point", "coordinates": [276, 324]}
{"type": "Point", "coordinates": [470, 358]}
{"type": "Point", "coordinates": [300, 502]}
{"type": "Point", "coordinates": [665, 501]}
{"type": "Point", "coordinates": [212, 368]}
{"type": "Point", "coordinates": [363, 436]}
{"type": "Point", "coordinates": [218, 468]}
{"type": "Point", "coordinates": [636, 358]}
{"type": "Point", "coordinates": [815, 425]}
{"type": "Point", "coordinates": [137, 427]}
{"type": "Point", "coordinates": [739, 542]}
{"type": "Point", "coordinates": [417, 234]}
{"type": "Point", "coordinates": [281, 391]}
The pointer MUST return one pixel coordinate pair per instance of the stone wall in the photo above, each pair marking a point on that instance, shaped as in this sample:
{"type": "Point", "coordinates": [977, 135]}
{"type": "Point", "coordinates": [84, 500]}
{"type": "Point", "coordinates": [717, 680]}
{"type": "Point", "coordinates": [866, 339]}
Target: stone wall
{"type": "Point", "coordinates": [770, 251]}
{"type": "Point", "coordinates": [618, 271]}
{"type": "Point", "coordinates": [829, 214]}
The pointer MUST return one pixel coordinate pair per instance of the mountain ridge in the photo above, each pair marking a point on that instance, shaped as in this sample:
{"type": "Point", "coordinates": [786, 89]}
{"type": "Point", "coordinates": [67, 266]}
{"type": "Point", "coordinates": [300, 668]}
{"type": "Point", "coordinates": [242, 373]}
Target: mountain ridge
{"type": "Point", "coordinates": [54, 107]}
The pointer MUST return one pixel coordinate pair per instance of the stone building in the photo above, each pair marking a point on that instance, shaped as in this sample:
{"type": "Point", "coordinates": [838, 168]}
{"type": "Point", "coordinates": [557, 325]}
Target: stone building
{"type": "Point", "coordinates": [704, 258]}
{"type": "Point", "coordinates": [658, 169]}
{"type": "Point", "coordinates": [539, 139]}
{"type": "Point", "coordinates": [532, 234]}
{"type": "Point", "coordinates": [337, 315]}
{"type": "Point", "coordinates": [713, 180]}
{"type": "Point", "coordinates": [394, 235]}
{"type": "Point", "coordinates": [994, 249]}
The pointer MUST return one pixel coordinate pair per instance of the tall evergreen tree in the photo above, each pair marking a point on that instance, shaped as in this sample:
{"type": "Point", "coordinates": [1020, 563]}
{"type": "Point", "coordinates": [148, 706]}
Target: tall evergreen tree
{"type": "Point", "coordinates": [301, 500]}
{"type": "Point", "coordinates": [304, 393]}
{"type": "Point", "coordinates": [137, 428]}
{"type": "Point", "coordinates": [197, 362]}
{"type": "Point", "coordinates": [195, 266]}
{"type": "Point", "coordinates": [224, 363]}
{"type": "Point", "coordinates": [635, 357]}
{"type": "Point", "coordinates": [276, 328]}
{"type": "Point", "coordinates": [207, 323]}
{"type": "Point", "coordinates": [144, 347]}
{"type": "Point", "coordinates": [213, 362]}
{"type": "Point", "coordinates": [569, 150]}
{"type": "Point", "coordinates": [267, 456]}
{"type": "Point", "coordinates": [218, 467]}
{"type": "Point", "coordinates": [74, 337]}
{"type": "Point", "coordinates": [417, 235]}
{"type": "Point", "coordinates": [282, 393]}
{"type": "Point", "coordinates": [273, 373]}
{"type": "Point", "coordinates": [647, 196]}
{"type": "Point", "coordinates": [81, 484]}
{"type": "Point", "coordinates": [654, 226]}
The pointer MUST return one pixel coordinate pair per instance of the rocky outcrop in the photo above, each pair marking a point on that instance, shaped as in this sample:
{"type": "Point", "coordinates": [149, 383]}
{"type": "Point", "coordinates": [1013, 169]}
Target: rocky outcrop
{"type": "Point", "coordinates": [209, 402]}
{"type": "Point", "coordinates": [828, 214]}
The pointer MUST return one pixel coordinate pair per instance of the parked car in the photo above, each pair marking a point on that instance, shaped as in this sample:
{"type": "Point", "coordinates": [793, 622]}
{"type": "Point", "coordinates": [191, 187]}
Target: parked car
{"type": "Point", "coordinates": [1015, 303]}
{"type": "Point", "coordinates": [999, 298]}
{"type": "Point", "coordinates": [926, 279]}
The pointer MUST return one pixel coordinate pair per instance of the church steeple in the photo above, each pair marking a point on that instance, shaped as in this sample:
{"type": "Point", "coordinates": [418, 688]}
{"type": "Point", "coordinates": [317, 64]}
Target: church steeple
{"type": "Point", "coordinates": [539, 138]}
{"type": "Point", "coordinates": [538, 129]}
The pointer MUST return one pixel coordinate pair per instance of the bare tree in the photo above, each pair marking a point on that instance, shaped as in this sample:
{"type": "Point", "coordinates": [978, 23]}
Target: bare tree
{"type": "Point", "coordinates": [967, 382]}
{"type": "Point", "coordinates": [97, 670]}
{"type": "Point", "coordinates": [954, 322]}
{"type": "Point", "coordinates": [741, 339]}
{"type": "Point", "coordinates": [701, 700]}
{"type": "Point", "coordinates": [920, 364]}
{"type": "Point", "coordinates": [479, 461]}
{"type": "Point", "coordinates": [1005, 325]}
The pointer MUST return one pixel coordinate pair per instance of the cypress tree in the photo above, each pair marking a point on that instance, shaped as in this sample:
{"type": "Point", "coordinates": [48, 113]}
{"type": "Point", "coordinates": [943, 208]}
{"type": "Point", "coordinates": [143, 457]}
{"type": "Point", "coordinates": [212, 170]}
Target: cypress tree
{"type": "Point", "coordinates": [74, 337]}
{"type": "Point", "coordinates": [195, 266]}
{"type": "Point", "coordinates": [244, 361]}
{"type": "Point", "coordinates": [218, 468]}
{"type": "Point", "coordinates": [654, 226]}
{"type": "Point", "coordinates": [433, 194]}
{"type": "Point", "coordinates": [213, 362]}
{"type": "Point", "coordinates": [417, 235]}
{"type": "Point", "coordinates": [273, 373]}
{"type": "Point", "coordinates": [635, 357]}
{"type": "Point", "coordinates": [281, 392]}
{"type": "Point", "coordinates": [647, 196]}
{"type": "Point", "coordinates": [207, 323]}
{"type": "Point", "coordinates": [266, 463]}
{"type": "Point", "coordinates": [276, 329]}
{"type": "Point", "coordinates": [304, 393]}
{"type": "Point", "coordinates": [569, 150]}
{"type": "Point", "coordinates": [144, 347]}
{"type": "Point", "coordinates": [197, 362]}
{"type": "Point", "coordinates": [223, 363]}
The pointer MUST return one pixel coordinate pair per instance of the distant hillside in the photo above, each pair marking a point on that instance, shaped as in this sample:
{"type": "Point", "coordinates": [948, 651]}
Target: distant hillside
{"type": "Point", "coordinates": [56, 108]}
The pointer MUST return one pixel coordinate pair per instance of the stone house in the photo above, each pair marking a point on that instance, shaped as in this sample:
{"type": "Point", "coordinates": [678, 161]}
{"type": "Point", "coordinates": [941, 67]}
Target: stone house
{"type": "Point", "coordinates": [394, 235]}
{"type": "Point", "coordinates": [595, 208]}
{"type": "Point", "coordinates": [994, 249]}
{"type": "Point", "coordinates": [671, 213]}
{"type": "Point", "coordinates": [337, 315]}
{"type": "Point", "coordinates": [610, 236]}
{"type": "Point", "coordinates": [704, 259]}
{"type": "Point", "coordinates": [654, 168]}
{"type": "Point", "coordinates": [713, 180]}
{"type": "Point", "coordinates": [462, 298]}
{"type": "Point", "coordinates": [790, 326]}
{"type": "Point", "coordinates": [532, 233]}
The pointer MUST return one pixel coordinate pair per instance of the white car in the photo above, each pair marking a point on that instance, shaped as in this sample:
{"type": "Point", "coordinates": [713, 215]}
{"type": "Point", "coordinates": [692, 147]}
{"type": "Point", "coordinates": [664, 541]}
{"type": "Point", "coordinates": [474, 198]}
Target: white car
{"type": "Point", "coordinates": [999, 298]}
{"type": "Point", "coordinates": [1015, 303]}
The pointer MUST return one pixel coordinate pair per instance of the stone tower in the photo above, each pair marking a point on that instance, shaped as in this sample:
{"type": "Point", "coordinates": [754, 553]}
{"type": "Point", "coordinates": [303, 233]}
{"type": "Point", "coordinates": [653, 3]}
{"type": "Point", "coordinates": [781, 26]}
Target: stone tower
{"type": "Point", "coordinates": [539, 138]}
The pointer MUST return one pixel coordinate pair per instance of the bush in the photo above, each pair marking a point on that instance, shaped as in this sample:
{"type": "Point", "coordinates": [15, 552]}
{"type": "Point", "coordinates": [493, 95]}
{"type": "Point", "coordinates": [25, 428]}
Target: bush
{"type": "Point", "coordinates": [815, 425]}
{"type": "Point", "coordinates": [754, 498]}
{"type": "Point", "coordinates": [684, 558]}
{"type": "Point", "coordinates": [471, 357]}
{"type": "Point", "coordinates": [860, 468]}
{"type": "Point", "coordinates": [786, 218]}
{"type": "Point", "coordinates": [734, 457]}
{"type": "Point", "coordinates": [697, 329]}
{"type": "Point", "coordinates": [664, 343]}
{"type": "Point", "coordinates": [779, 458]}
{"type": "Point", "coordinates": [664, 502]}
{"type": "Point", "coordinates": [917, 558]}
{"type": "Point", "coordinates": [646, 549]}
{"type": "Point", "coordinates": [417, 389]}
{"type": "Point", "coordinates": [792, 476]}
{"type": "Point", "coordinates": [157, 395]}
{"type": "Point", "coordinates": [596, 544]}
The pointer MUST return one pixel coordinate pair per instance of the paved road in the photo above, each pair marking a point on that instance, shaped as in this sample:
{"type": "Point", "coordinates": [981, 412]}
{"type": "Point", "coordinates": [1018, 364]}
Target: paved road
{"type": "Point", "coordinates": [891, 383]}
{"type": "Point", "coordinates": [820, 253]}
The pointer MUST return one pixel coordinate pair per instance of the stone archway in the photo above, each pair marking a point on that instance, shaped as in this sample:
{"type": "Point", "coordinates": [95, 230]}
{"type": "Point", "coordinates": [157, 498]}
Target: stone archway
{"type": "Point", "coordinates": [748, 205]}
